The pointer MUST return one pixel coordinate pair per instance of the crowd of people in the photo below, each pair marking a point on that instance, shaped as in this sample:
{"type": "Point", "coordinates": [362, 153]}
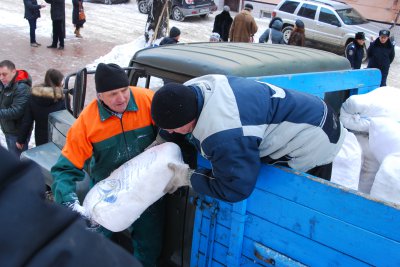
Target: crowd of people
{"type": "Point", "coordinates": [124, 120]}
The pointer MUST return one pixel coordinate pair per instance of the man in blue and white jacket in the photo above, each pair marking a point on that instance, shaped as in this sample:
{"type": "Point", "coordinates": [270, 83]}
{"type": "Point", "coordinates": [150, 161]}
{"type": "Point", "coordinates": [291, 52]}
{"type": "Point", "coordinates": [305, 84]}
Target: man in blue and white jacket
{"type": "Point", "coordinates": [237, 124]}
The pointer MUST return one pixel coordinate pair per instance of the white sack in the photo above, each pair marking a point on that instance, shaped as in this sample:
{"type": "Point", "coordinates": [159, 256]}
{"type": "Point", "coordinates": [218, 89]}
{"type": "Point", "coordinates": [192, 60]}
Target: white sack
{"type": "Point", "coordinates": [117, 201]}
{"type": "Point", "coordinates": [357, 111]}
{"type": "Point", "coordinates": [384, 137]}
{"type": "Point", "coordinates": [346, 166]}
{"type": "Point", "coordinates": [369, 165]}
{"type": "Point", "coordinates": [387, 180]}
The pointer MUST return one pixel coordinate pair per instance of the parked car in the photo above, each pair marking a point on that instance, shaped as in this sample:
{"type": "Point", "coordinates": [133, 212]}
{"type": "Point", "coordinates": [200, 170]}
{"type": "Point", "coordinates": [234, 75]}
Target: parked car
{"type": "Point", "coordinates": [107, 2]}
{"type": "Point", "coordinates": [327, 23]}
{"type": "Point", "coordinates": [180, 9]}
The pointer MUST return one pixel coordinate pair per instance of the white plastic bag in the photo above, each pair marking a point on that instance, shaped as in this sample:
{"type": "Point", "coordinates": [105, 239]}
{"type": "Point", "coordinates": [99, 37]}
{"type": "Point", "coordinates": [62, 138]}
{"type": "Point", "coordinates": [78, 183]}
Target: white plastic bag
{"type": "Point", "coordinates": [117, 201]}
{"type": "Point", "coordinates": [346, 166]}
{"type": "Point", "coordinates": [384, 137]}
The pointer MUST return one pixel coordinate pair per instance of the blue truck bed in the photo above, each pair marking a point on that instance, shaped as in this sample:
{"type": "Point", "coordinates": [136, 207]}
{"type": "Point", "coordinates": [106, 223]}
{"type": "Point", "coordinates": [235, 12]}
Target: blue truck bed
{"type": "Point", "coordinates": [294, 219]}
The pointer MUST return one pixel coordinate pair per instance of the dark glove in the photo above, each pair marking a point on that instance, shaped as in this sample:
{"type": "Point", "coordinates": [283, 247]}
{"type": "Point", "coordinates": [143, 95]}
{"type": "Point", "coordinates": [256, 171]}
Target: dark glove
{"type": "Point", "coordinates": [182, 174]}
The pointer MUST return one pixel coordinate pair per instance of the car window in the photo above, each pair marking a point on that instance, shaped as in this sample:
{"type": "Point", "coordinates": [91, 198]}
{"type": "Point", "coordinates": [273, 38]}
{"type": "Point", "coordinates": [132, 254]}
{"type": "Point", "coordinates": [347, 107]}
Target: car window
{"type": "Point", "coordinates": [308, 11]}
{"type": "Point", "coordinates": [351, 16]}
{"type": "Point", "coordinates": [289, 6]}
{"type": "Point", "coordinates": [328, 16]}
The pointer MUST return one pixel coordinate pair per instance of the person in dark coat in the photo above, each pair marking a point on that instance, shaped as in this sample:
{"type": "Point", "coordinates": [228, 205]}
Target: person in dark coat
{"type": "Point", "coordinates": [381, 54]}
{"type": "Point", "coordinates": [173, 38]}
{"type": "Point", "coordinates": [45, 99]}
{"type": "Point", "coordinates": [297, 36]}
{"type": "Point", "coordinates": [76, 6]}
{"type": "Point", "coordinates": [57, 12]}
{"type": "Point", "coordinates": [274, 31]}
{"type": "Point", "coordinates": [355, 51]}
{"type": "Point", "coordinates": [36, 232]}
{"type": "Point", "coordinates": [222, 23]}
{"type": "Point", "coordinates": [32, 13]}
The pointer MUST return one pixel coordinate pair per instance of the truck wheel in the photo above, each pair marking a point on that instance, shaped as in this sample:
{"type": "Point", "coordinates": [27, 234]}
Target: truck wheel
{"type": "Point", "coordinates": [177, 14]}
{"type": "Point", "coordinates": [142, 6]}
{"type": "Point", "coordinates": [286, 33]}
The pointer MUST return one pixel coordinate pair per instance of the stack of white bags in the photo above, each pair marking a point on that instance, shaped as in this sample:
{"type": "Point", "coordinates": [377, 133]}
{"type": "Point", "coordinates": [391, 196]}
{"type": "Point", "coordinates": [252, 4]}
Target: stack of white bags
{"type": "Point", "coordinates": [370, 157]}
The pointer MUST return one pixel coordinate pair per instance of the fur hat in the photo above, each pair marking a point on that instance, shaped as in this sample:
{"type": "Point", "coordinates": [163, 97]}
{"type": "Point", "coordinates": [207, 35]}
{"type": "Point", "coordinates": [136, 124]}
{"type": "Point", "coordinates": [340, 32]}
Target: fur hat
{"type": "Point", "coordinates": [248, 6]}
{"type": "Point", "coordinates": [174, 32]}
{"type": "Point", "coordinates": [360, 36]}
{"type": "Point", "coordinates": [173, 106]}
{"type": "Point", "coordinates": [110, 77]}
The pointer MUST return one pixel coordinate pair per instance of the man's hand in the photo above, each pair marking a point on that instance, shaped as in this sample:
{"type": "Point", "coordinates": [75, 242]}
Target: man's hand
{"type": "Point", "coordinates": [182, 174]}
{"type": "Point", "coordinates": [159, 140]}
{"type": "Point", "coordinates": [76, 206]}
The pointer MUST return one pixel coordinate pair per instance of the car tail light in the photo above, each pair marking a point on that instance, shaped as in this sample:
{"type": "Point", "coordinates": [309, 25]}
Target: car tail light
{"type": "Point", "coordinates": [189, 2]}
{"type": "Point", "coordinates": [273, 14]}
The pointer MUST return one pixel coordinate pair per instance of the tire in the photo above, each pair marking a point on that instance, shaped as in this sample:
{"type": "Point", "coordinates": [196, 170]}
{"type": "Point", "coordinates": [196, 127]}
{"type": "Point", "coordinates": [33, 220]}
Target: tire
{"type": "Point", "coordinates": [177, 14]}
{"type": "Point", "coordinates": [142, 7]}
{"type": "Point", "coordinates": [204, 16]}
{"type": "Point", "coordinates": [286, 33]}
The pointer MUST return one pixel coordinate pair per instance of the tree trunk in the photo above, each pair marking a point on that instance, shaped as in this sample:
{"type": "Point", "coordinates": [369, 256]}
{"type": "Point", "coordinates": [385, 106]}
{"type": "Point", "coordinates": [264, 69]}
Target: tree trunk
{"type": "Point", "coordinates": [157, 21]}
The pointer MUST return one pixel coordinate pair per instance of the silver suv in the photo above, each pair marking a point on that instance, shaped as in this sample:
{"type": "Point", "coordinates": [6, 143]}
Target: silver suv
{"type": "Point", "coordinates": [327, 22]}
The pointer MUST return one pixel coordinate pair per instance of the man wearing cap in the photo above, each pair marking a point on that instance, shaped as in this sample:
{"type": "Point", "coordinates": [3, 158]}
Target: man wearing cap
{"type": "Point", "coordinates": [111, 130]}
{"type": "Point", "coordinates": [355, 50]}
{"type": "Point", "coordinates": [381, 54]}
{"type": "Point", "coordinates": [243, 26]}
{"type": "Point", "coordinates": [279, 127]}
{"type": "Point", "coordinates": [174, 35]}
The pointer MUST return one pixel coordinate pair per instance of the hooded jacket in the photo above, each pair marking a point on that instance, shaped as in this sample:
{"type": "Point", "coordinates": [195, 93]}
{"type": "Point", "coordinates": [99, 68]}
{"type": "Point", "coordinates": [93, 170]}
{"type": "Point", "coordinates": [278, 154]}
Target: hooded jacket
{"type": "Point", "coordinates": [278, 125]}
{"type": "Point", "coordinates": [276, 34]}
{"type": "Point", "coordinates": [243, 27]}
{"type": "Point", "coordinates": [103, 141]}
{"type": "Point", "coordinates": [222, 24]}
{"type": "Point", "coordinates": [43, 101]}
{"type": "Point", "coordinates": [13, 99]}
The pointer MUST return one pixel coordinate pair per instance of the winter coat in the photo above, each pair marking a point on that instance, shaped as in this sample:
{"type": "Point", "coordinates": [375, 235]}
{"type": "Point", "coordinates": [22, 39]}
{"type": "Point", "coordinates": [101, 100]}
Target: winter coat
{"type": "Point", "coordinates": [380, 55]}
{"type": "Point", "coordinates": [168, 40]}
{"type": "Point", "coordinates": [13, 99]}
{"type": "Point", "coordinates": [355, 54]}
{"type": "Point", "coordinates": [75, 13]}
{"type": "Point", "coordinates": [222, 24]}
{"type": "Point", "coordinates": [279, 124]}
{"type": "Point", "coordinates": [43, 101]}
{"type": "Point", "coordinates": [32, 9]}
{"type": "Point", "coordinates": [297, 37]}
{"type": "Point", "coordinates": [36, 232]}
{"type": "Point", "coordinates": [276, 34]}
{"type": "Point", "coordinates": [57, 10]}
{"type": "Point", "coordinates": [105, 140]}
{"type": "Point", "coordinates": [243, 27]}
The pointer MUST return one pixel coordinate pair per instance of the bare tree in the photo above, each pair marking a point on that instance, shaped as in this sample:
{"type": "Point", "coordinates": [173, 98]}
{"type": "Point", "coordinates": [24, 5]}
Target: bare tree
{"type": "Point", "coordinates": [157, 21]}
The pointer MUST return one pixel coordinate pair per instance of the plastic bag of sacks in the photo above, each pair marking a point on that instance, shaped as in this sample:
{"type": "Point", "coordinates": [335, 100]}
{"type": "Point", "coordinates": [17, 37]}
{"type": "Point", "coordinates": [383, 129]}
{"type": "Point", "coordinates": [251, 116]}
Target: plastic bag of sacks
{"type": "Point", "coordinates": [387, 180]}
{"type": "Point", "coordinates": [384, 137]}
{"type": "Point", "coordinates": [346, 166]}
{"type": "Point", "coordinates": [117, 201]}
{"type": "Point", "coordinates": [357, 111]}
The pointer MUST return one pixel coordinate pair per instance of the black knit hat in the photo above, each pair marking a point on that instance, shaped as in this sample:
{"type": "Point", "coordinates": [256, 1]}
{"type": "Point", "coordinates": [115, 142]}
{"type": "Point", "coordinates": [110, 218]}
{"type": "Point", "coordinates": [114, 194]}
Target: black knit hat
{"type": "Point", "coordinates": [174, 32]}
{"type": "Point", "coordinates": [173, 106]}
{"type": "Point", "coordinates": [110, 77]}
{"type": "Point", "coordinates": [299, 24]}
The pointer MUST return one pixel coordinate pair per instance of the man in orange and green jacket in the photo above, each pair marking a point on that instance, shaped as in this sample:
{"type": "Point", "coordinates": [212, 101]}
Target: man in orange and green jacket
{"type": "Point", "coordinates": [111, 130]}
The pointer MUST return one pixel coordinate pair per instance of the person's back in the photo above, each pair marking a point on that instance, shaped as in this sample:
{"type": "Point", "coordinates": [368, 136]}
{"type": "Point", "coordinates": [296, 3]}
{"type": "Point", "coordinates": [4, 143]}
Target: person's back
{"type": "Point", "coordinates": [222, 23]}
{"type": "Point", "coordinates": [173, 38]}
{"type": "Point", "coordinates": [274, 32]}
{"type": "Point", "coordinates": [243, 26]}
{"type": "Point", "coordinates": [297, 36]}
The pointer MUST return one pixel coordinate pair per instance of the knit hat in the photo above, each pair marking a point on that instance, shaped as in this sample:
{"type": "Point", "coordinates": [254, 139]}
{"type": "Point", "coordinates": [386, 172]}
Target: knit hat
{"type": "Point", "coordinates": [384, 32]}
{"type": "Point", "coordinates": [299, 24]}
{"type": "Point", "coordinates": [215, 37]}
{"type": "Point", "coordinates": [227, 8]}
{"type": "Point", "coordinates": [110, 77]}
{"type": "Point", "coordinates": [248, 6]}
{"type": "Point", "coordinates": [360, 36]}
{"type": "Point", "coordinates": [173, 106]}
{"type": "Point", "coordinates": [174, 32]}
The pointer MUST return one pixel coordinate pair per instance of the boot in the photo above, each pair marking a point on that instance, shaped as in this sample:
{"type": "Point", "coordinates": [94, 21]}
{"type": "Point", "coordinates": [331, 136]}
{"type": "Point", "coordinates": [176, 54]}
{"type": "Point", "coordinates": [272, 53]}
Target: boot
{"type": "Point", "coordinates": [78, 34]}
{"type": "Point", "coordinates": [76, 30]}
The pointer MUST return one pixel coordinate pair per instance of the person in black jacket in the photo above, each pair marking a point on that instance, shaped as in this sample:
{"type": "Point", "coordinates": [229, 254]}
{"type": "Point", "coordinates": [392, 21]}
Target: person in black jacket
{"type": "Point", "coordinates": [355, 51]}
{"type": "Point", "coordinates": [57, 12]}
{"type": "Point", "coordinates": [32, 13]}
{"type": "Point", "coordinates": [381, 54]}
{"type": "Point", "coordinates": [45, 99]}
{"type": "Point", "coordinates": [222, 24]}
{"type": "Point", "coordinates": [76, 20]}
{"type": "Point", "coordinates": [36, 232]}
{"type": "Point", "coordinates": [173, 38]}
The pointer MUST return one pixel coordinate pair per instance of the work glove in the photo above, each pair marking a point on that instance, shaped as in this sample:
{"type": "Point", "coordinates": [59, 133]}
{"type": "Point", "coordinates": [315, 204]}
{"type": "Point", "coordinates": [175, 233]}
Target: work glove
{"type": "Point", "coordinates": [182, 174]}
{"type": "Point", "coordinates": [76, 207]}
{"type": "Point", "coordinates": [158, 141]}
